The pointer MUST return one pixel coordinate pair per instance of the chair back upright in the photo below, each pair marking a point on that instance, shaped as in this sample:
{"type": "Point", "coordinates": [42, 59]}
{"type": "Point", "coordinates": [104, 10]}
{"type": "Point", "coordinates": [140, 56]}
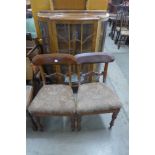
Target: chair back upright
{"type": "Point", "coordinates": [125, 20]}
{"type": "Point", "coordinates": [56, 60]}
{"type": "Point", "coordinates": [93, 58]}
{"type": "Point", "coordinates": [29, 70]}
{"type": "Point", "coordinates": [122, 17]}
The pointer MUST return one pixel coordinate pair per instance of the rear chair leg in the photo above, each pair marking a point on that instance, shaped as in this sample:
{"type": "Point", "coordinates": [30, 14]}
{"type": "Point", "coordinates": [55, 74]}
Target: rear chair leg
{"type": "Point", "coordinates": [73, 122]}
{"type": "Point", "coordinates": [117, 37]}
{"type": "Point", "coordinates": [78, 122]}
{"type": "Point", "coordinates": [114, 116]}
{"type": "Point", "coordinates": [40, 127]}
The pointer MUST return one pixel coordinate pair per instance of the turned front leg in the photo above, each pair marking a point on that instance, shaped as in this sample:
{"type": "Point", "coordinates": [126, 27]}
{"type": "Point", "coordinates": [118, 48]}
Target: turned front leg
{"type": "Point", "coordinates": [114, 116]}
{"type": "Point", "coordinates": [34, 125]}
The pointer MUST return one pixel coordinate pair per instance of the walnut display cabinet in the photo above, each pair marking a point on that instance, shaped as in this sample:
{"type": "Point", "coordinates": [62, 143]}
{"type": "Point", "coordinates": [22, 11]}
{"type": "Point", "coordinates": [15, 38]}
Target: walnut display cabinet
{"type": "Point", "coordinates": [72, 32]}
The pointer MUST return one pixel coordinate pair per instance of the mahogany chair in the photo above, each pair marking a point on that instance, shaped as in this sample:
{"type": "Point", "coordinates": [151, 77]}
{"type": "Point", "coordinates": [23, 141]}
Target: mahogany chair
{"type": "Point", "coordinates": [54, 99]}
{"type": "Point", "coordinates": [122, 30]}
{"type": "Point", "coordinates": [117, 20]}
{"type": "Point", "coordinates": [95, 97]}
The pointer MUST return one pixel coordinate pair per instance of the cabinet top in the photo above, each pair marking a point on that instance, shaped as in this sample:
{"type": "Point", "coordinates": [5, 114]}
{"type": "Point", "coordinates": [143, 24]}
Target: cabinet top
{"type": "Point", "coordinates": [73, 15]}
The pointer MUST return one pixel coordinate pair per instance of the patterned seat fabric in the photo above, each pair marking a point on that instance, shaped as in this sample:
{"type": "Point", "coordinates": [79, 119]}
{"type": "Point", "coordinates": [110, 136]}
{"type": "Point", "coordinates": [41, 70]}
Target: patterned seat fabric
{"type": "Point", "coordinates": [29, 91]}
{"type": "Point", "coordinates": [53, 99]}
{"type": "Point", "coordinates": [96, 97]}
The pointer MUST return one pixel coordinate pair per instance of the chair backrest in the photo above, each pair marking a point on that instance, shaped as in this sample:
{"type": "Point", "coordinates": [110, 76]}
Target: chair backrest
{"type": "Point", "coordinates": [56, 60]}
{"type": "Point", "coordinates": [122, 17]}
{"type": "Point", "coordinates": [122, 8]}
{"type": "Point", "coordinates": [125, 19]}
{"type": "Point", "coordinates": [93, 58]}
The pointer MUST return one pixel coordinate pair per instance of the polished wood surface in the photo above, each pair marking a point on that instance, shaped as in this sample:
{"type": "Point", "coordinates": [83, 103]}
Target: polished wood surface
{"type": "Point", "coordinates": [55, 58]}
{"type": "Point", "coordinates": [73, 14]}
{"type": "Point", "coordinates": [97, 57]}
{"type": "Point", "coordinates": [97, 5]}
{"type": "Point", "coordinates": [74, 11]}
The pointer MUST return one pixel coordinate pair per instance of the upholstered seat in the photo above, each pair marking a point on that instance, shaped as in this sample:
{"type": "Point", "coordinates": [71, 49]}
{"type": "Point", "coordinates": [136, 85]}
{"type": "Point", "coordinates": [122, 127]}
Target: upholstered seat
{"type": "Point", "coordinates": [125, 33]}
{"type": "Point", "coordinates": [94, 97]}
{"type": "Point", "coordinates": [29, 91]}
{"type": "Point", "coordinates": [56, 98]}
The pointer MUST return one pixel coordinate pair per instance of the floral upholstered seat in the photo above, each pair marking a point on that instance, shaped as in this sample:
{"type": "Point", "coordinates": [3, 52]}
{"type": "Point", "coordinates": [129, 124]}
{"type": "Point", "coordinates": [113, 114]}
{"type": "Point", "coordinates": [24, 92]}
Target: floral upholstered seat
{"type": "Point", "coordinates": [94, 97]}
{"type": "Point", "coordinates": [53, 99]}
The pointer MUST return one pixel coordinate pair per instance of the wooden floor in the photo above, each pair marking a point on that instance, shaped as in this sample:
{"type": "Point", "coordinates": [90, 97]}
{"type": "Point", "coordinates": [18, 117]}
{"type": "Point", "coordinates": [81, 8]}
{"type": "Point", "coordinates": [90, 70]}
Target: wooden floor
{"type": "Point", "coordinates": [95, 138]}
